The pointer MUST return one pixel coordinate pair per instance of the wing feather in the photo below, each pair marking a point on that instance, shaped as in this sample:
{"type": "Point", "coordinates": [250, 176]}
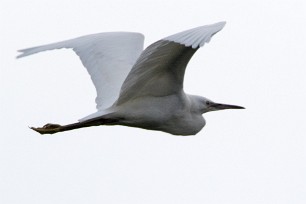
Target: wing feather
{"type": "Point", "coordinates": [108, 58]}
{"type": "Point", "coordinates": [160, 69]}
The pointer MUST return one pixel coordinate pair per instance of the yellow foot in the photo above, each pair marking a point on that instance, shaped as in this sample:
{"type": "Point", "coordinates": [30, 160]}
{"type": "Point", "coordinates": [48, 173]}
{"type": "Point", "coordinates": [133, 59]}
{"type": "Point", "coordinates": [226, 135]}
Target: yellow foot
{"type": "Point", "coordinates": [48, 129]}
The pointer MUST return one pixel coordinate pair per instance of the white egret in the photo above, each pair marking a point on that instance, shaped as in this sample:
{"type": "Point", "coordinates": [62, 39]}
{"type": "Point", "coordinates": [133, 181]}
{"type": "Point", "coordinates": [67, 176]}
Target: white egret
{"type": "Point", "coordinates": [139, 88]}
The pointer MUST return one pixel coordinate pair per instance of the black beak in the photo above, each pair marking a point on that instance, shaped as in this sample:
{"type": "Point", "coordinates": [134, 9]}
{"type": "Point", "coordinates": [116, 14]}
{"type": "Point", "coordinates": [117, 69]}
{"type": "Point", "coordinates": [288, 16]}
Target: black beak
{"type": "Point", "coordinates": [220, 106]}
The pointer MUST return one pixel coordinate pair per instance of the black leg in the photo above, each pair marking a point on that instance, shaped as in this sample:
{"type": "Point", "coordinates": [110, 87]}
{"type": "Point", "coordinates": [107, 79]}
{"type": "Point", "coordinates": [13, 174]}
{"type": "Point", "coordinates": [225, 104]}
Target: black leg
{"type": "Point", "coordinates": [55, 128]}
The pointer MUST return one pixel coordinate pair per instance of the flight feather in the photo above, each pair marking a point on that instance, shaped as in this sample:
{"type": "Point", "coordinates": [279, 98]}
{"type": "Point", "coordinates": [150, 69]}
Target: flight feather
{"type": "Point", "coordinates": [108, 58]}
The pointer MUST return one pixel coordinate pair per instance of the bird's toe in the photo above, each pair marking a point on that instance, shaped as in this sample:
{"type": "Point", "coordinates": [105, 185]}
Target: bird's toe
{"type": "Point", "coordinates": [47, 129]}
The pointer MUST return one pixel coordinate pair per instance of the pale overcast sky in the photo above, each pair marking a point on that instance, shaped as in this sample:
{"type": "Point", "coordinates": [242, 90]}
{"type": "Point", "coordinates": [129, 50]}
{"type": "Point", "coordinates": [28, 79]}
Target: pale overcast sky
{"type": "Point", "coordinates": [257, 155]}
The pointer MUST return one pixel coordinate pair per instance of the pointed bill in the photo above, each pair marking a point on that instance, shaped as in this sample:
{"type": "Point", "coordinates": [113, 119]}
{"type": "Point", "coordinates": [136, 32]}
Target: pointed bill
{"type": "Point", "coordinates": [220, 106]}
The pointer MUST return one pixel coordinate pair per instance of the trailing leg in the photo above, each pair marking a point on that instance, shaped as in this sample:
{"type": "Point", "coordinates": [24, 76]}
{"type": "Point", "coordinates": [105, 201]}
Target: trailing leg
{"type": "Point", "coordinates": [55, 128]}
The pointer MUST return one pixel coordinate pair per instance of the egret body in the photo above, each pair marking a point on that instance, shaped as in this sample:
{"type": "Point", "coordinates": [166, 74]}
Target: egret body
{"type": "Point", "coordinates": [140, 88]}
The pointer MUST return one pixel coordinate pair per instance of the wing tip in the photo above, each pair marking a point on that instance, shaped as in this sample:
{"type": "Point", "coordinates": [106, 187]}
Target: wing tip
{"type": "Point", "coordinates": [196, 37]}
{"type": "Point", "coordinates": [29, 51]}
{"type": "Point", "coordinates": [221, 24]}
{"type": "Point", "coordinates": [21, 54]}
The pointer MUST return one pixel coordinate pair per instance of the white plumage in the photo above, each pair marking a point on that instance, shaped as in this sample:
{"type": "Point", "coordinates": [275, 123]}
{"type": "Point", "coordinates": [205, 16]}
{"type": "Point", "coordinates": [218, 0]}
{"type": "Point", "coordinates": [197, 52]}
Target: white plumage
{"type": "Point", "coordinates": [108, 58]}
{"type": "Point", "coordinates": [196, 37]}
{"type": "Point", "coordinates": [140, 88]}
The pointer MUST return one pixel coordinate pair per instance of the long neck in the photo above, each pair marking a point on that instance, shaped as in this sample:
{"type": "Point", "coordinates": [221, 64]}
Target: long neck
{"type": "Point", "coordinates": [196, 103]}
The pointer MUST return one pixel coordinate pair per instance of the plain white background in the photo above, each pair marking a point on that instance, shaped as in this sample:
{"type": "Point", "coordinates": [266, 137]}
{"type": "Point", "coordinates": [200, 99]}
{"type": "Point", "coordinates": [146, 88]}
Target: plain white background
{"type": "Point", "coordinates": [255, 155]}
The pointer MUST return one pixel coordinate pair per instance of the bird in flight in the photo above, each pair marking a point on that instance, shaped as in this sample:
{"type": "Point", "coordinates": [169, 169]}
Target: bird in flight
{"type": "Point", "coordinates": [136, 87]}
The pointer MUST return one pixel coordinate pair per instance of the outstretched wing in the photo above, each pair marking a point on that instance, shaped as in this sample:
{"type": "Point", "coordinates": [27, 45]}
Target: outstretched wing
{"type": "Point", "coordinates": [108, 58]}
{"type": "Point", "coordinates": [159, 71]}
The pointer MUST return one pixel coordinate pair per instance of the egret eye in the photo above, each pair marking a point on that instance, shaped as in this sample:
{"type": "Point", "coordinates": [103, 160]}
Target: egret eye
{"type": "Point", "coordinates": [208, 103]}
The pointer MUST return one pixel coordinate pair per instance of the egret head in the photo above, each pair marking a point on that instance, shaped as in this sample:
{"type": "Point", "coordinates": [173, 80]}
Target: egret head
{"type": "Point", "coordinates": [208, 105]}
